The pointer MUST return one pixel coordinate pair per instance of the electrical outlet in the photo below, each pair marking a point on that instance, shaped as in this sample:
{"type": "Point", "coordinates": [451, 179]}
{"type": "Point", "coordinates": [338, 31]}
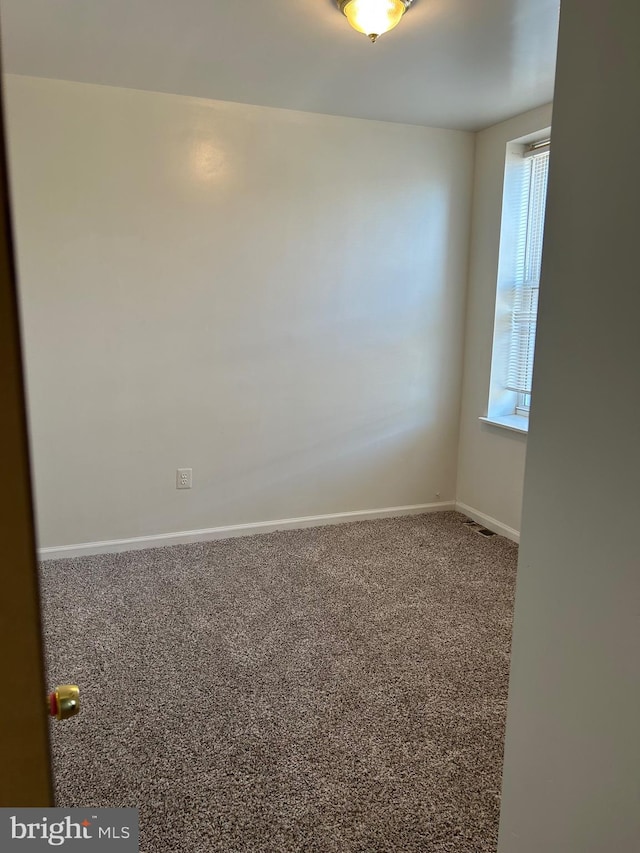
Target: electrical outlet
{"type": "Point", "coordinates": [184, 478]}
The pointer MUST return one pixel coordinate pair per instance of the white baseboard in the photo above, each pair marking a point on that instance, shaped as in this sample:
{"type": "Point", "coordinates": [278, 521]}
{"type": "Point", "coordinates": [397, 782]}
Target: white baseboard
{"type": "Point", "coordinates": [162, 540]}
{"type": "Point", "coordinates": [488, 521]}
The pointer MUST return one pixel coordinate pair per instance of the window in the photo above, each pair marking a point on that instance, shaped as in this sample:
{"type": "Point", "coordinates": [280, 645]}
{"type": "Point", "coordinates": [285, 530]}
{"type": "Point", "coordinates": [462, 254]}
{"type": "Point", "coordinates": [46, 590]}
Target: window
{"type": "Point", "coordinates": [521, 238]}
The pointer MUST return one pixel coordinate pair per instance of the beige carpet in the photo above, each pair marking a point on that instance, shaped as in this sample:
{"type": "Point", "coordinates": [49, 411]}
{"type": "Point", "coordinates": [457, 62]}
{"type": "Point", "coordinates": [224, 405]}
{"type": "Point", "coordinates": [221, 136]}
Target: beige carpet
{"type": "Point", "coordinates": [331, 689]}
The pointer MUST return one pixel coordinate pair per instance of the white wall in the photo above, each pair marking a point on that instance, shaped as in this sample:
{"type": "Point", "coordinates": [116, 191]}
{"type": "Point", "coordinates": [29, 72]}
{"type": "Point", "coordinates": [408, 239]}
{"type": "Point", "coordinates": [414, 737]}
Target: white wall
{"type": "Point", "coordinates": [491, 459]}
{"type": "Point", "coordinates": [273, 298]}
{"type": "Point", "coordinates": [572, 759]}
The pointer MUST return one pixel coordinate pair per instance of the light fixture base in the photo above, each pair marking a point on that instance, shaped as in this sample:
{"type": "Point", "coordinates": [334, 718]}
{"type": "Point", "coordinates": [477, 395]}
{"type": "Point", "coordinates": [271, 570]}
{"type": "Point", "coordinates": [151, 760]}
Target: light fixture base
{"type": "Point", "coordinates": [373, 37]}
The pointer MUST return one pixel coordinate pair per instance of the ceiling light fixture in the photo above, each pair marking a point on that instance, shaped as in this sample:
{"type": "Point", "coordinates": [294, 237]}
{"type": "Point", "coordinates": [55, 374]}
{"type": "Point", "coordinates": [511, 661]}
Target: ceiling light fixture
{"type": "Point", "coordinates": [374, 17]}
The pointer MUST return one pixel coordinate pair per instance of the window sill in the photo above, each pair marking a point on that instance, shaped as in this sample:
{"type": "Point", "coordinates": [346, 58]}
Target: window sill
{"type": "Point", "coordinates": [515, 423]}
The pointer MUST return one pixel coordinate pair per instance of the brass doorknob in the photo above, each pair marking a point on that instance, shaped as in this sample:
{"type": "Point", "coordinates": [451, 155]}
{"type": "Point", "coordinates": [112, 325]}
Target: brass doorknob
{"type": "Point", "coordinates": [64, 702]}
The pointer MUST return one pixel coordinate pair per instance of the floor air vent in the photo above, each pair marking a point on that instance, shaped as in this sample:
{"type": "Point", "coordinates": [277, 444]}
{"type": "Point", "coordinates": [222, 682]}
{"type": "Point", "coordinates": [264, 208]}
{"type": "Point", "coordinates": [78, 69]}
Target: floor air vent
{"type": "Point", "coordinates": [478, 528]}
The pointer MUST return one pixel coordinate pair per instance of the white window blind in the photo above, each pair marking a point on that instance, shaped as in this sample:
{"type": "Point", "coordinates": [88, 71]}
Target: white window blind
{"type": "Point", "coordinates": [527, 272]}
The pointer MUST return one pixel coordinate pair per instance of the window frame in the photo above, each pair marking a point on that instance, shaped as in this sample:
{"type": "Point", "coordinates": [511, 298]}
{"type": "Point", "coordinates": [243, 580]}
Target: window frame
{"type": "Point", "coordinates": [507, 408]}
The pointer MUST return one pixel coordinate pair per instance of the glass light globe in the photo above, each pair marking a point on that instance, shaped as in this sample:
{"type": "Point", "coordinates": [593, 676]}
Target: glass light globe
{"type": "Point", "coordinates": [374, 17]}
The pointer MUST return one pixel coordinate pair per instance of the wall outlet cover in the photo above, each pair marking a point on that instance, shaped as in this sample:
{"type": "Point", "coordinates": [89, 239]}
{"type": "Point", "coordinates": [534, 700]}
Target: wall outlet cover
{"type": "Point", "coordinates": [184, 478]}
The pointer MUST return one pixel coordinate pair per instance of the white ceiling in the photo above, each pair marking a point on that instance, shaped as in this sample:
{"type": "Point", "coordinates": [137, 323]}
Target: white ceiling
{"type": "Point", "coordinates": [450, 63]}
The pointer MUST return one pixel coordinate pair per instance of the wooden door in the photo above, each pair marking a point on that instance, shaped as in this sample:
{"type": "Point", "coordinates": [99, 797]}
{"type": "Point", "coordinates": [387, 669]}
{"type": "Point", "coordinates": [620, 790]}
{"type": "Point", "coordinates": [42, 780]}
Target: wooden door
{"type": "Point", "coordinates": [25, 777]}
